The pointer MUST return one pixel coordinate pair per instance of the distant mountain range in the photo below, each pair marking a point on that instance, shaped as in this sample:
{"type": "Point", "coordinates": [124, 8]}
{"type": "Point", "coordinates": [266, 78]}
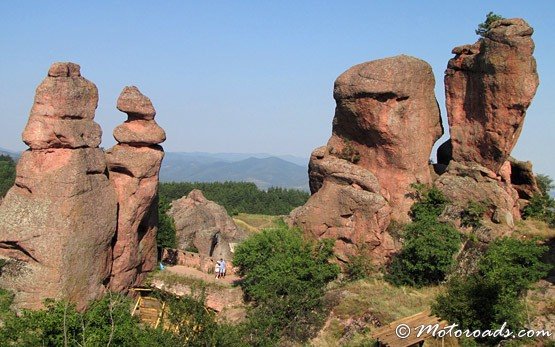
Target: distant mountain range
{"type": "Point", "coordinates": [262, 169]}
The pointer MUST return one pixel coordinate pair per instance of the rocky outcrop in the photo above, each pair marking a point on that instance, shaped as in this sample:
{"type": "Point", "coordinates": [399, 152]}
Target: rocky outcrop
{"type": "Point", "coordinates": [347, 207]}
{"type": "Point", "coordinates": [489, 85]}
{"type": "Point", "coordinates": [134, 164]}
{"type": "Point", "coordinates": [386, 121]}
{"type": "Point", "coordinates": [58, 220]}
{"type": "Point", "coordinates": [204, 225]}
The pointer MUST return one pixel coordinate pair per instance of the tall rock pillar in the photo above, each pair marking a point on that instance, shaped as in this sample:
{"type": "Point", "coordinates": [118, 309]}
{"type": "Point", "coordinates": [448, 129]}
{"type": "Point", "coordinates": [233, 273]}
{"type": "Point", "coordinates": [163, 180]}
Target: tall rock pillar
{"type": "Point", "coordinates": [134, 165]}
{"type": "Point", "coordinates": [58, 220]}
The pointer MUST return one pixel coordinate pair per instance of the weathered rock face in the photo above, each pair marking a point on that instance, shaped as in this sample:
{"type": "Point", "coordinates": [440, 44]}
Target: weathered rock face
{"type": "Point", "coordinates": [386, 121]}
{"type": "Point", "coordinates": [522, 178]}
{"type": "Point", "coordinates": [462, 184]}
{"type": "Point", "coordinates": [58, 221]}
{"type": "Point", "coordinates": [489, 85]}
{"type": "Point", "coordinates": [346, 206]}
{"type": "Point", "coordinates": [205, 225]}
{"type": "Point", "coordinates": [134, 164]}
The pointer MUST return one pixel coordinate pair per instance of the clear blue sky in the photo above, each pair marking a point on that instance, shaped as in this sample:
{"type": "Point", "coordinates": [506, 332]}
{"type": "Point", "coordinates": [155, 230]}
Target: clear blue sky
{"type": "Point", "coordinates": [248, 76]}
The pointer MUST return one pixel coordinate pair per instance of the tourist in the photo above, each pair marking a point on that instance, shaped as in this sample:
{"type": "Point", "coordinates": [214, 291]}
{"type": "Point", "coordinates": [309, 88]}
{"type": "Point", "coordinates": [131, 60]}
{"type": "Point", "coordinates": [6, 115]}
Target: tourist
{"type": "Point", "coordinates": [217, 269]}
{"type": "Point", "coordinates": [222, 267]}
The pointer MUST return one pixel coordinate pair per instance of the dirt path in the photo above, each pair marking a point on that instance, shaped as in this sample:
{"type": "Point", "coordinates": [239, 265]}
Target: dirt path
{"type": "Point", "coordinates": [194, 273]}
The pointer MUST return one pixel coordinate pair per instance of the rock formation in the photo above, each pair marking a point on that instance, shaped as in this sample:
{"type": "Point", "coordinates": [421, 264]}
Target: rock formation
{"type": "Point", "coordinates": [58, 220]}
{"type": "Point", "coordinates": [386, 122]}
{"type": "Point", "coordinates": [134, 164]}
{"type": "Point", "coordinates": [346, 206]}
{"type": "Point", "coordinates": [388, 116]}
{"type": "Point", "coordinates": [488, 86]}
{"type": "Point", "coordinates": [204, 225]}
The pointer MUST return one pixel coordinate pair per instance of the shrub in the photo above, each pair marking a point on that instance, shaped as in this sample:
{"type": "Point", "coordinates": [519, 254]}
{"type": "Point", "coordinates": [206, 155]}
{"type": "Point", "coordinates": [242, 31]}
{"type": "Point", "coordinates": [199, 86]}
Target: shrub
{"type": "Point", "coordinates": [106, 322]}
{"type": "Point", "coordinates": [472, 215]}
{"type": "Point", "coordinates": [493, 295]}
{"type": "Point", "coordinates": [428, 251]}
{"type": "Point", "coordinates": [285, 277]}
{"type": "Point", "coordinates": [349, 153]}
{"type": "Point", "coordinates": [427, 255]}
{"type": "Point", "coordinates": [484, 27]}
{"type": "Point", "coordinates": [359, 267]}
{"type": "Point", "coordinates": [542, 206]}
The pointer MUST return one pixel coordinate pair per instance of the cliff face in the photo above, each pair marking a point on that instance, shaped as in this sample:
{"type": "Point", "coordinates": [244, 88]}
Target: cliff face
{"type": "Point", "coordinates": [386, 122]}
{"type": "Point", "coordinates": [69, 227]}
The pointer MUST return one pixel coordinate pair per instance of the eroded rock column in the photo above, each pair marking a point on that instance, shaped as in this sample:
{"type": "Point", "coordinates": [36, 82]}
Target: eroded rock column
{"type": "Point", "coordinates": [57, 222]}
{"type": "Point", "coordinates": [488, 87]}
{"type": "Point", "coordinates": [134, 165]}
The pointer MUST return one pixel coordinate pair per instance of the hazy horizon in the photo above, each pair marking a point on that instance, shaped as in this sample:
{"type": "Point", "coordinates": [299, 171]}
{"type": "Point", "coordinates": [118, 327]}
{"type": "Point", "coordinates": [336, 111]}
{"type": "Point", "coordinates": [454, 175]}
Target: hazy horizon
{"type": "Point", "coordinates": [248, 77]}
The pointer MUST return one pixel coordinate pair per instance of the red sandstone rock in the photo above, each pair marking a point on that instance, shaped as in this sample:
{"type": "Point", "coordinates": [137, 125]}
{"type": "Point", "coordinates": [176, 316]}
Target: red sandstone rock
{"type": "Point", "coordinates": [135, 104]}
{"type": "Point", "coordinates": [346, 206]}
{"type": "Point", "coordinates": [205, 225]}
{"type": "Point", "coordinates": [388, 116]}
{"type": "Point", "coordinates": [489, 86]}
{"type": "Point", "coordinates": [68, 95]}
{"type": "Point", "coordinates": [134, 170]}
{"type": "Point", "coordinates": [145, 132]}
{"type": "Point", "coordinates": [46, 132]}
{"type": "Point", "coordinates": [57, 222]}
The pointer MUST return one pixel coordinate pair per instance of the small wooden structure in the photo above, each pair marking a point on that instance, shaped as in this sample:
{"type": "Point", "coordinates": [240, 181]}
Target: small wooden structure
{"type": "Point", "coordinates": [149, 309]}
{"type": "Point", "coordinates": [408, 329]}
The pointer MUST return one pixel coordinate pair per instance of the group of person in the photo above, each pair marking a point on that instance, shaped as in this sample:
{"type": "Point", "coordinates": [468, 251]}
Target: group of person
{"type": "Point", "coordinates": [219, 268]}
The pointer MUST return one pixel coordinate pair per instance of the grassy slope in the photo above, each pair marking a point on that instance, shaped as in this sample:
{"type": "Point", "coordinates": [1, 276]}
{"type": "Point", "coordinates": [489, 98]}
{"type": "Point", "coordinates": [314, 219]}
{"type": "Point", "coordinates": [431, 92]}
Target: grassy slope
{"type": "Point", "coordinates": [255, 222]}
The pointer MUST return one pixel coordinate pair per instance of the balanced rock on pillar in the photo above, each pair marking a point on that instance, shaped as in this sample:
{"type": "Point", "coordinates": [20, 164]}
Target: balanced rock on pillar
{"type": "Point", "coordinates": [134, 165]}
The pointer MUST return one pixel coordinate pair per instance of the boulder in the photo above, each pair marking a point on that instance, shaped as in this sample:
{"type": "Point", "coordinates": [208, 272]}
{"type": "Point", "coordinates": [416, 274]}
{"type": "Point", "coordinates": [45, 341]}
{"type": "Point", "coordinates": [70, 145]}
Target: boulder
{"type": "Point", "coordinates": [58, 220]}
{"type": "Point", "coordinates": [522, 178]}
{"type": "Point", "coordinates": [386, 121]}
{"type": "Point", "coordinates": [134, 167]}
{"type": "Point", "coordinates": [488, 86]}
{"type": "Point", "coordinates": [204, 225]}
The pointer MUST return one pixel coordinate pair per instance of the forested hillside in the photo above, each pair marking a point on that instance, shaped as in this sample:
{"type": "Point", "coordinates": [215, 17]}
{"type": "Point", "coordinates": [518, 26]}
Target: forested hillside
{"type": "Point", "coordinates": [239, 197]}
{"type": "Point", "coordinates": [7, 174]}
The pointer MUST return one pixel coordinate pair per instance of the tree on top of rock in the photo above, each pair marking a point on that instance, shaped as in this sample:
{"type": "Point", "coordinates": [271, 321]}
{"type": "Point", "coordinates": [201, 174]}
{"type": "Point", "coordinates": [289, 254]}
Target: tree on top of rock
{"type": "Point", "coordinates": [484, 27]}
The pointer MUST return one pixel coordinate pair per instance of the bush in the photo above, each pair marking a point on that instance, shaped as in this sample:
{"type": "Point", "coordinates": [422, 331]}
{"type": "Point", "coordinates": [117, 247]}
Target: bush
{"type": "Point", "coordinates": [484, 27]}
{"type": "Point", "coordinates": [7, 174]}
{"type": "Point", "coordinates": [472, 214]}
{"type": "Point", "coordinates": [493, 295]}
{"type": "Point", "coordinates": [429, 247]}
{"type": "Point", "coordinates": [542, 206]}
{"type": "Point", "coordinates": [285, 277]}
{"type": "Point", "coordinates": [359, 267]}
{"type": "Point", "coordinates": [107, 321]}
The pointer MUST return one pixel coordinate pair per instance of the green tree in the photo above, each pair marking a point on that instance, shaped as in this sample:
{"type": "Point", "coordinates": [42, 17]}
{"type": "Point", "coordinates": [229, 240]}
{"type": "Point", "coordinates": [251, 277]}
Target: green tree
{"type": "Point", "coordinates": [166, 236]}
{"type": "Point", "coordinates": [284, 276]}
{"type": "Point", "coordinates": [7, 174]}
{"type": "Point", "coordinates": [429, 247]}
{"type": "Point", "coordinates": [484, 27]}
{"type": "Point", "coordinates": [493, 295]}
{"type": "Point", "coordinates": [542, 206]}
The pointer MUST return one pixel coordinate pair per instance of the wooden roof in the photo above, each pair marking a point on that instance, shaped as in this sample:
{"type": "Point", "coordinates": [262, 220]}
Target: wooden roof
{"type": "Point", "coordinates": [387, 336]}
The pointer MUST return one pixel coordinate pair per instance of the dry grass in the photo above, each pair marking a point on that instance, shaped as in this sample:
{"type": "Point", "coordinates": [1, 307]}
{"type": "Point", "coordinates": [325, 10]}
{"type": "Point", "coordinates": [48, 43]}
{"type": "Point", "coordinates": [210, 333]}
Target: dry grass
{"type": "Point", "coordinates": [362, 303]}
{"type": "Point", "coordinates": [531, 228]}
{"type": "Point", "coordinates": [255, 222]}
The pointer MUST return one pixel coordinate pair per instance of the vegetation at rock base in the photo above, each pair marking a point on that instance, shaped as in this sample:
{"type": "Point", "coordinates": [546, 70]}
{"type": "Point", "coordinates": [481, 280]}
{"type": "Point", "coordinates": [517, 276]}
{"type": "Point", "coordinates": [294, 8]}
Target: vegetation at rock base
{"type": "Point", "coordinates": [484, 27]}
{"type": "Point", "coordinates": [240, 197]}
{"type": "Point", "coordinates": [166, 236]}
{"type": "Point", "coordinates": [108, 322]}
{"type": "Point", "coordinates": [7, 174]}
{"type": "Point", "coordinates": [493, 295]}
{"type": "Point", "coordinates": [542, 206]}
{"type": "Point", "coordinates": [284, 276]}
{"type": "Point", "coordinates": [429, 245]}
{"type": "Point", "coordinates": [472, 215]}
